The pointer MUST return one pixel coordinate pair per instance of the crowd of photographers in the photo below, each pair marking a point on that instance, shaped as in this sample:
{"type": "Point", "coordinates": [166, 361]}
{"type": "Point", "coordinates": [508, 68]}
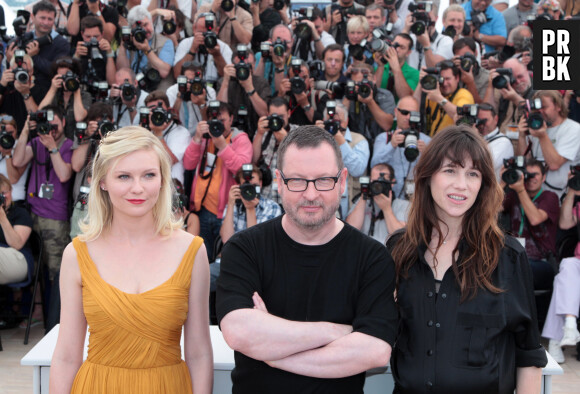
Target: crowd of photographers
{"type": "Point", "coordinates": [222, 82]}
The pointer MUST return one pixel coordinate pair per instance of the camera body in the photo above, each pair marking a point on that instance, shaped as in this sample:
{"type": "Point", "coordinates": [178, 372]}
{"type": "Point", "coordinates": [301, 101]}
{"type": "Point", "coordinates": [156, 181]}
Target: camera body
{"type": "Point", "coordinates": [515, 167]}
{"type": "Point", "coordinates": [302, 30]}
{"type": "Point", "coordinates": [365, 88]}
{"type": "Point", "coordinates": [248, 191]}
{"type": "Point", "coordinates": [531, 113]}
{"type": "Point", "coordinates": [433, 77]}
{"type": "Point", "coordinates": [265, 49]}
{"type": "Point", "coordinates": [467, 61]}
{"type": "Point", "coordinates": [478, 19]}
{"type": "Point", "coordinates": [20, 74]}
{"type": "Point", "coordinates": [160, 116]}
{"type": "Point", "coordinates": [149, 80]}
{"type": "Point", "coordinates": [243, 70]}
{"type": "Point", "coordinates": [227, 5]}
{"type": "Point", "coordinates": [104, 127]}
{"type": "Point", "coordinates": [421, 19]}
{"type": "Point", "coordinates": [501, 81]}
{"type": "Point", "coordinates": [70, 81]}
{"type": "Point", "coordinates": [81, 131]}
{"type": "Point", "coordinates": [144, 117]}
{"type": "Point", "coordinates": [337, 88]}
{"type": "Point", "coordinates": [210, 39]}
{"type": "Point", "coordinates": [574, 182]}
{"type": "Point", "coordinates": [275, 122]}
{"type": "Point", "coordinates": [317, 68]}
{"type": "Point", "coordinates": [139, 33]}
{"type": "Point", "coordinates": [93, 49]}
{"type": "Point", "coordinates": [378, 186]}
{"type": "Point", "coordinates": [128, 91]}
{"type": "Point", "coordinates": [279, 4]}
{"type": "Point", "coordinates": [357, 51]}
{"type": "Point", "coordinates": [297, 84]}
{"type": "Point", "coordinates": [216, 126]}
{"type": "Point", "coordinates": [169, 27]}
{"type": "Point", "coordinates": [279, 47]}
{"type": "Point", "coordinates": [412, 135]}
{"type": "Point", "coordinates": [43, 119]}
{"type": "Point", "coordinates": [331, 125]}
{"type": "Point", "coordinates": [7, 141]}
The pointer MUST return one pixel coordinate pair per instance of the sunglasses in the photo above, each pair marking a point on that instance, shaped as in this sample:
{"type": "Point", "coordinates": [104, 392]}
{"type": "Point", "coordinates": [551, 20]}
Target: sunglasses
{"type": "Point", "coordinates": [403, 112]}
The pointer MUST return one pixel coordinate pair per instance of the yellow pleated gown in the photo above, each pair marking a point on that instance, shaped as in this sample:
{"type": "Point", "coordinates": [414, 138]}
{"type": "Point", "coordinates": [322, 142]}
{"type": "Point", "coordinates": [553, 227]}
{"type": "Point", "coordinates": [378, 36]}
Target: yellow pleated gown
{"type": "Point", "coordinates": [134, 342]}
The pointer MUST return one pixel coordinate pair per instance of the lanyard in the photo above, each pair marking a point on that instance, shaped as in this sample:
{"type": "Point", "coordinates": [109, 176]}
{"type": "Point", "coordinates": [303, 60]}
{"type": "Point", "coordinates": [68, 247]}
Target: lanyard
{"type": "Point", "coordinates": [186, 113]}
{"type": "Point", "coordinates": [524, 215]}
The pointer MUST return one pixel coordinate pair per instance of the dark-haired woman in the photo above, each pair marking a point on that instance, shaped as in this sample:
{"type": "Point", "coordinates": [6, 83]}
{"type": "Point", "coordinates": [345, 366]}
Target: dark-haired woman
{"type": "Point", "coordinates": [467, 314]}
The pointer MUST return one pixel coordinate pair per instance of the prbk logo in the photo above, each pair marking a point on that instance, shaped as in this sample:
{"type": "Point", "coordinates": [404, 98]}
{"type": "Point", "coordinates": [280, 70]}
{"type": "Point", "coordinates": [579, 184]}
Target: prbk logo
{"type": "Point", "coordinates": [556, 55]}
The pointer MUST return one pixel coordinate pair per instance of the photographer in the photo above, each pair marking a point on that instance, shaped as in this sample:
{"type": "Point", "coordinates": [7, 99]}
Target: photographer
{"type": "Point", "coordinates": [46, 46]}
{"type": "Point", "coordinates": [369, 115]}
{"type": "Point", "coordinates": [247, 92]}
{"type": "Point", "coordinates": [16, 175]}
{"type": "Point", "coordinates": [311, 47]}
{"type": "Point", "coordinates": [354, 149]}
{"type": "Point", "coordinates": [379, 215]}
{"type": "Point", "coordinates": [397, 12]}
{"type": "Point", "coordinates": [61, 15]}
{"type": "Point", "coordinates": [65, 92]}
{"type": "Point", "coordinates": [213, 59]}
{"type": "Point", "coordinates": [174, 137]}
{"type": "Point", "coordinates": [518, 14]}
{"type": "Point", "coordinates": [189, 103]}
{"type": "Point", "coordinates": [300, 97]}
{"type": "Point", "coordinates": [98, 62]}
{"type": "Point", "coordinates": [534, 219]}
{"type": "Point", "coordinates": [551, 8]}
{"type": "Point", "coordinates": [397, 76]}
{"type": "Point", "coordinates": [235, 25]}
{"type": "Point", "coordinates": [500, 146]}
{"type": "Point", "coordinates": [442, 101]}
{"type": "Point", "coordinates": [127, 98]}
{"type": "Point", "coordinates": [556, 141]}
{"type": "Point", "coordinates": [155, 51]}
{"type": "Point", "coordinates": [431, 47]}
{"type": "Point", "coordinates": [216, 156]}
{"type": "Point", "coordinates": [98, 122]}
{"type": "Point", "coordinates": [355, 49]}
{"type": "Point", "coordinates": [50, 177]}
{"type": "Point", "coordinates": [18, 98]}
{"type": "Point", "coordinates": [337, 15]}
{"type": "Point", "coordinates": [79, 9]}
{"type": "Point", "coordinates": [473, 77]}
{"type": "Point", "coordinates": [15, 228]}
{"type": "Point", "coordinates": [275, 67]}
{"type": "Point", "coordinates": [333, 57]}
{"type": "Point", "coordinates": [264, 18]}
{"type": "Point", "coordinates": [241, 213]}
{"type": "Point", "coordinates": [265, 148]}
{"type": "Point", "coordinates": [390, 147]}
{"type": "Point", "coordinates": [454, 21]}
{"type": "Point", "coordinates": [489, 26]}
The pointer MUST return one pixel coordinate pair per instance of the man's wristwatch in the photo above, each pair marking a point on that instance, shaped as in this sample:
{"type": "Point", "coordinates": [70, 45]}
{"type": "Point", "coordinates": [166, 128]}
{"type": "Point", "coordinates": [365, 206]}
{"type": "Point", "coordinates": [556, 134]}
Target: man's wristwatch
{"type": "Point", "coordinates": [98, 13]}
{"type": "Point", "coordinates": [444, 101]}
{"type": "Point", "coordinates": [279, 70]}
{"type": "Point", "coordinates": [147, 52]}
{"type": "Point", "coordinates": [251, 92]}
{"type": "Point", "coordinates": [233, 19]}
{"type": "Point", "coordinates": [26, 96]}
{"type": "Point", "coordinates": [307, 108]}
{"type": "Point", "coordinates": [53, 151]}
{"type": "Point", "coordinates": [426, 49]}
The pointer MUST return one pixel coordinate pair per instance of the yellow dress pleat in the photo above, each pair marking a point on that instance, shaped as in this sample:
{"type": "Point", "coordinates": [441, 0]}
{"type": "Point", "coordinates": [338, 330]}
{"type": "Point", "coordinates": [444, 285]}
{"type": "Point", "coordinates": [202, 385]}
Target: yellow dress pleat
{"type": "Point", "coordinates": [134, 342]}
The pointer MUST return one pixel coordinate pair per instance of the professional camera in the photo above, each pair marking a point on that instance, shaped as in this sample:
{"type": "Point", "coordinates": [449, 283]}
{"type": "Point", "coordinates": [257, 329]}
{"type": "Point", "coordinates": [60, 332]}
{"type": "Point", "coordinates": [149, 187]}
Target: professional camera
{"type": "Point", "coordinates": [42, 119]}
{"type": "Point", "coordinates": [467, 61]}
{"type": "Point", "coordinates": [297, 84]}
{"type": "Point", "coordinates": [210, 39]}
{"type": "Point", "coordinates": [128, 91]}
{"type": "Point", "coordinates": [468, 115]}
{"type": "Point", "coordinates": [331, 125]}
{"type": "Point", "coordinates": [104, 127]}
{"type": "Point", "coordinates": [421, 19]}
{"type": "Point", "coordinates": [279, 4]}
{"type": "Point", "coordinates": [121, 6]}
{"type": "Point", "coordinates": [6, 139]}
{"type": "Point", "coordinates": [357, 51]}
{"type": "Point", "coordinates": [380, 43]}
{"type": "Point", "coordinates": [94, 52]}
{"type": "Point", "coordinates": [275, 122]}
{"type": "Point", "coordinates": [316, 68]}
{"type": "Point", "coordinates": [515, 167]}
{"type": "Point", "coordinates": [302, 30]}
{"type": "Point", "coordinates": [70, 81]}
{"type": "Point", "coordinates": [365, 88]}
{"type": "Point", "coordinates": [429, 81]}
{"type": "Point", "coordinates": [376, 187]}
{"type": "Point", "coordinates": [350, 91]}
{"type": "Point", "coordinates": [478, 19]}
{"type": "Point", "coordinates": [169, 27]}
{"type": "Point", "coordinates": [159, 116]}
{"type": "Point", "coordinates": [505, 76]}
{"type": "Point", "coordinates": [241, 117]}
{"type": "Point", "coordinates": [81, 131]}
{"type": "Point", "coordinates": [265, 49]}
{"type": "Point", "coordinates": [139, 33]}
{"type": "Point", "coordinates": [227, 5]}
{"type": "Point", "coordinates": [506, 52]}
{"type": "Point", "coordinates": [101, 90]}
{"type": "Point", "coordinates": [216, 126]}
{"type": "Point", "coordinates": [412, 137]}
{"type": "Point", "coordinates": [144, 117]}
{"type": "Point", "coordinates": [345, 11]}
{"type": "Point", "coordinates": [279, 47]}
{"type": "Point", "coordinates": [243, 71]}
{"type": "Point", "coordinates": [248, 190]}
{"type": "Point", "coordinates": [531, 113]}
{"type": "Point", "coordinates": [126, 38]}
{"type": "Point", "coordinates": [574, 182]}
{"type": "Point", "coordinates": [22, 38]}
{"type": "Point", "coordinates": [449, 31]}
{"type": "Point", "coordinates": [337, 88]}
{"type": "Point", "coordinates": [149, 80]}
{"type": "Point", "coordinates": [20, 74]}
{"type": "Point", "coordinates": [83, 196]}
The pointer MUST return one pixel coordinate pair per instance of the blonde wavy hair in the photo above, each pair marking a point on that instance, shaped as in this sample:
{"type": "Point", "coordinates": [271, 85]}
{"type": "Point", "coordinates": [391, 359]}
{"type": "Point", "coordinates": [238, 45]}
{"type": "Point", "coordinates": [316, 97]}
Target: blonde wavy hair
{"type": "Point", "coordinates": [112, 148]}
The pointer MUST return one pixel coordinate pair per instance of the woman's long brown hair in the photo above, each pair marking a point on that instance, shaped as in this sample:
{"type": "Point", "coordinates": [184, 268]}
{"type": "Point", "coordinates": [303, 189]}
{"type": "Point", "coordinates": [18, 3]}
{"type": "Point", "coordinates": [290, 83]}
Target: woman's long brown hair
{"type": "Point", "coordinates": [481, 234]}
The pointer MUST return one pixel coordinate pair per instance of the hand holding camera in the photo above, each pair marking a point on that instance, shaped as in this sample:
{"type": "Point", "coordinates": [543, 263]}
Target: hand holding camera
{"type": "Point", "coordinates": [82, 50]}
{"type": "Point", "coordinates": [56, 82]}
{"type": "Point", "coordinates": [397, 138]}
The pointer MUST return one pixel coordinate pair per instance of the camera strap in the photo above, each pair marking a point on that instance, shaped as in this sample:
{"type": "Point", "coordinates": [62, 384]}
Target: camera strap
{"type": "Point", "coordinates": [169, 129]}
{"type": "Point", "coordinates": [522, 222]}
{"type": "Point", "coordinates": [440, 109]}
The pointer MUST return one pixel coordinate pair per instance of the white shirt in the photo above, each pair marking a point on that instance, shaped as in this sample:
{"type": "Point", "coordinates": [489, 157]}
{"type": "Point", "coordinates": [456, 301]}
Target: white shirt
{"type": "Point", "coordinates": [125, 119]}
{"type": "Point", "coordinates": [211, 72]}
{"type": "Point", "coordinates": [177, 139]}
{"type": "Point", "coordinates": [189, 113]}
{"type": "Point", "coordinates": [442, 46]}
{"type": "Point", "coordinates": [501, 148]}
{"type": "Point", "coordinates": [18, 188]}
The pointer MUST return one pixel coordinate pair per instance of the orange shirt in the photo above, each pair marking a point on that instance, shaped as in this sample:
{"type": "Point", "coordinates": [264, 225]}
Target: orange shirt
{"type": "Point", "coordinates": [211, 200]}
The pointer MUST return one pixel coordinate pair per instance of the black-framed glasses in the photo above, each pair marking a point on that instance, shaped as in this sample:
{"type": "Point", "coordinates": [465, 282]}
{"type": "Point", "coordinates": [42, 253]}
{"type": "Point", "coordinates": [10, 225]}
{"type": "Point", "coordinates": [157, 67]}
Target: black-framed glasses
{"type": "Point", "coordinates": [322, 184]}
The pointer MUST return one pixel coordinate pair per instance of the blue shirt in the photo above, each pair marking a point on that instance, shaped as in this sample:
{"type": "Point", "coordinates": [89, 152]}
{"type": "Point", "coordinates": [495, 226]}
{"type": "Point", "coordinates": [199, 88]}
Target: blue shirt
{"type": "Point", "coordinates": [384, 152]}
{"type": "Point", "coordinates": [265, 210]}
{"type": "Point", "coordinates": [495, 25]}
{"type": "Point", "coordinates": [166, 54]}
{"type": "Point", "coordinates": [269, 73]}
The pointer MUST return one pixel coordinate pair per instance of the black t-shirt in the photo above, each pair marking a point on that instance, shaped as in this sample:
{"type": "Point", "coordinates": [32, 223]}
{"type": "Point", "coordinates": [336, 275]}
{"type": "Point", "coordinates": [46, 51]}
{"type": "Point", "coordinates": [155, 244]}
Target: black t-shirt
{"type": "Point", "coordinates": [451, 347]}
{"type": "Point", "coordinates": [110, 15]}
{"type": "Point", "coordinates": [17, 216]}
{"type": "Point", "coordinates": [349, 280]}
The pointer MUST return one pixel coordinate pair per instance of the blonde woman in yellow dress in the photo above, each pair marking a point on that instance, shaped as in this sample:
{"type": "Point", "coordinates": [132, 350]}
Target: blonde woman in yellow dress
{"type": "Point", "coordinates": [136, 279]}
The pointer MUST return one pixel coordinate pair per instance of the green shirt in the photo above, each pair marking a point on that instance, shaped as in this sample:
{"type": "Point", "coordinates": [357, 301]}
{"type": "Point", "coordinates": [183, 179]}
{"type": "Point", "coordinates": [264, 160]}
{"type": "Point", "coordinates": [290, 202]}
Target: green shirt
{"type": "Point", "coordinates": [411, 76]}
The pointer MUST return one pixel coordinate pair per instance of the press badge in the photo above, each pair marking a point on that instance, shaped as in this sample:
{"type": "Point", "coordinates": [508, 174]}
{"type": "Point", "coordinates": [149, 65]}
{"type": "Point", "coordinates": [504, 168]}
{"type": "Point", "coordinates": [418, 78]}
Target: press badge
{"type": "Point", "coordinates": [522, 241]}
{"type": "Point", "coordinates": [409, 187]}
{"type": "Point", "coordinates": [46, 191]}
{"type": "Point", "coordinates": [512, 132]}
{"type": "Point", "coordinates": [210, 159]}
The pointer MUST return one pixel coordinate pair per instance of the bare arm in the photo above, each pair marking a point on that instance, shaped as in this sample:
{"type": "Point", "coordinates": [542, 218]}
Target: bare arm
{"type": "Point", "coordinates": [16, 236]}
{"type": "Point", "coordinates": [68, 354]}
{"type": "Point", "coordinates": [567, 217]}
{"type": "Point", "coordinates": [227, 228]}
{"type": "Point", "coordinates": [78, 107]}
{"type": "Point", "coordinates": [357, 216]}
{"type": "Point", "coordinates": [14, 173]}
{"type": "Point", "coordinates": [197, 342]}
{"type": "Point", "coordinates": [529, 380]}
{"type": "Point", "coordinates": [73, 22]}
{"type": "Point", "coordinates": [22, 152]}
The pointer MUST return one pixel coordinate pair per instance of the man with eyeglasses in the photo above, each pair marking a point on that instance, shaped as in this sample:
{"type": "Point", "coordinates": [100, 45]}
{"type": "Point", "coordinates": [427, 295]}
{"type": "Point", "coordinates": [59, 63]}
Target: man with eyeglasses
{"type": "Point", "coordinates": [216, 159]}
{"type": "Point", "coordinates": [388, 149]}
{"type": "Point", "coordinates": [534, 214]}
{"type": "Point", "coordinates": [305, 300]}
{"type": "Point", "coordinates": [499, 145]}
